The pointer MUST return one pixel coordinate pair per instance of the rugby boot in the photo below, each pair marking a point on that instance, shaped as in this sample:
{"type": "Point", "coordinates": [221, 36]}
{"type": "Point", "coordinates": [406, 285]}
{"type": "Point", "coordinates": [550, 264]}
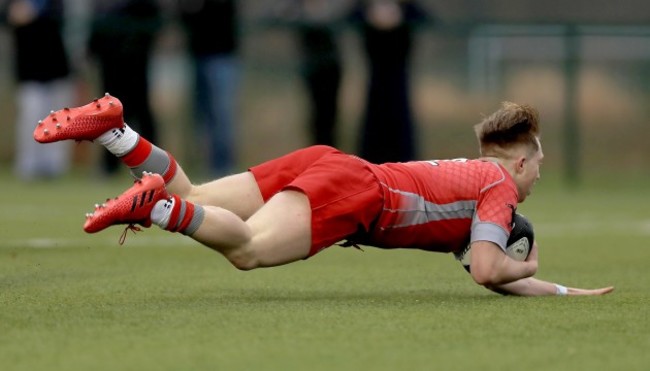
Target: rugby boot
{"type": "Point", "coordinates": [81, 123]}
{"type": "Point", "coordinates": [131, 207]}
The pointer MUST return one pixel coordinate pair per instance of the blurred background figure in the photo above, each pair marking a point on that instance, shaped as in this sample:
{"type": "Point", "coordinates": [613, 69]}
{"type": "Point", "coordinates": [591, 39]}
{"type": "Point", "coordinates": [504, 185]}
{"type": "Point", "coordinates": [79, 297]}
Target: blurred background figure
{"type": "Point", "coordinates": [213, 37]}
{"type": "Point", "coordinates": [122, 37]}
{"type": "Point", "coordinates": [43, 82]}
{"type": "Point", "coordinates": [315, 23]}
{"type": "Point", "coordinates": [388, 131]}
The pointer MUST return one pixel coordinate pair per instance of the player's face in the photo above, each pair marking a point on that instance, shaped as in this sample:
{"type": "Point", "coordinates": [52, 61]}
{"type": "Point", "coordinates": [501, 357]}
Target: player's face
{"type": "Point", "coordinates": [530, 173]}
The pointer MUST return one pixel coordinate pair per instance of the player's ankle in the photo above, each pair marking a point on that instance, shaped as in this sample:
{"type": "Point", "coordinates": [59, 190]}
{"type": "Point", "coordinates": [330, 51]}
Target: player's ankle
{"type": "Point", "coordinates": [177, 215]}
{"type": "Point", "coordinates": [119, 141]}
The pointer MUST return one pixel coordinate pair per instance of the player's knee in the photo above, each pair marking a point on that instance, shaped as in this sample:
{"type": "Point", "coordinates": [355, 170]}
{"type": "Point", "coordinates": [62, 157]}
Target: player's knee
{"type": "Point", "coordinates": [244, 265]}
{"type": "Point", "coordinates": [243, 260]}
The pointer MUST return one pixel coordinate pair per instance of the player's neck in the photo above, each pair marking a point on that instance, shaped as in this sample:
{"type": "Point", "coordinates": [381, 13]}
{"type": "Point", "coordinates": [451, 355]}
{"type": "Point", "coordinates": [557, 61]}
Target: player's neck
{"type": "Point", "coordinates": [491, 159]}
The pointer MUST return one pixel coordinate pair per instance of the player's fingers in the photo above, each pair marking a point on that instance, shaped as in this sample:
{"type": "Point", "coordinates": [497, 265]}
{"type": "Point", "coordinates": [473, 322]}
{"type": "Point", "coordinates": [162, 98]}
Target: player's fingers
{"type": "Point", "coordinates": [601, 291]}
{"type": "Point", "coordinates": [605, 290]}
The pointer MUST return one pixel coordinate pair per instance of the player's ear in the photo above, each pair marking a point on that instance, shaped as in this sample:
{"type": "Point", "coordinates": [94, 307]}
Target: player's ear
{"type": "Point", "coordinates": [520, 164]}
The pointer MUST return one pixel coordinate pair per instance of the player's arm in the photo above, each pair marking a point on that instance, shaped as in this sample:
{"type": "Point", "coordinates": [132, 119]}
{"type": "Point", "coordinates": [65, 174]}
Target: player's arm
{"type": "Point", "coordinates": [531, 286]}
{"type": "Point", "coordinates": [491, 267]}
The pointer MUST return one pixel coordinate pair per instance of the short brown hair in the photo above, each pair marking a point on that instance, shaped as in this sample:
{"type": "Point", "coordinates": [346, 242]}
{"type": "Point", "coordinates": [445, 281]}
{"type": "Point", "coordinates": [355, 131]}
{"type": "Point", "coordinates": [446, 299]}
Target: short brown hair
{"type": "Point", "coordinates": [512, 125]}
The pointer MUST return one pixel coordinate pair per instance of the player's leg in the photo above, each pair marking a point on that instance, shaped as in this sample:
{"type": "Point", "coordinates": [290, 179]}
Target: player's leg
{"type": "Point", "coordinates": [101, 121]}
{"type": "Point", "coordinates": [242, 194]}
{"type": "Point", "coordinates": [277, 234]}
{"type": "Point", "coordinates": [238, 193]}
{"type": "Point", "coordinates": [344, 195]}
{"type": "Point", "coordinates": [245, 193]}
{"type": "Point", "coordinates": [334, 197]}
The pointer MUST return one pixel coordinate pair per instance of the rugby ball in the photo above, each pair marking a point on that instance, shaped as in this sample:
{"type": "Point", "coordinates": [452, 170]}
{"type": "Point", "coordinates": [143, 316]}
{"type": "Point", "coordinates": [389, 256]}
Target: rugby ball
{"type": "Point", "coordinates": [520, 242]}
{"type": "Point", "coordinates": [521, 238]}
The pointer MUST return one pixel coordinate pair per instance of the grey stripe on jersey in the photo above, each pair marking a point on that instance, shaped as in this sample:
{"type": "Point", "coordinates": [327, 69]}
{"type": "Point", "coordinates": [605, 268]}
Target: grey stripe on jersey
{"type": "Point", "coordinates": [415, 210]}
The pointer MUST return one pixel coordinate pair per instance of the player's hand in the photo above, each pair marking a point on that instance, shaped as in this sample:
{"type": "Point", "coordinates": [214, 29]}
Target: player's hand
{"type": "Point", "coordinates": [572, 291]}
{"type": "Point", "coordinates": [532, 255]}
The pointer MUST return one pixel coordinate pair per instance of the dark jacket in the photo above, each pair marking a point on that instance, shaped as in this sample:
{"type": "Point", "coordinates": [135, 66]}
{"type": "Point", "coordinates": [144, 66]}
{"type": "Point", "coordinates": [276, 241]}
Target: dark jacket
{"type": "Point", "coordinates": [39, 51]}
{"type": "Point", "coordinates": [212, 27]}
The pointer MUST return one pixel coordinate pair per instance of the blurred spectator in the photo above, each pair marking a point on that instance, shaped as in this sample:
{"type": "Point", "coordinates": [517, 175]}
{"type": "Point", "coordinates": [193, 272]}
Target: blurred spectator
{"type": "Point", "coordinates": [315, 22]}
{"type": "Point", "coordinates": [388, 131]}
{"type": "Point", "coordinates": [122, 37]}
{"type": "Point", "coordinates": [42, 73]}
{"type": "Point", "coordinates": [212, 29]}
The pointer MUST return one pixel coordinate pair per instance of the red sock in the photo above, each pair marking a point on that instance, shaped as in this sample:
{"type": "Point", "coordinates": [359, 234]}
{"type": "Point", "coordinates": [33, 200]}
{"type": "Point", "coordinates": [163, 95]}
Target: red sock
{"type": "Point", "coordinates": [185, 217]}
{"type": "Point", "coordinates": [147, 157]}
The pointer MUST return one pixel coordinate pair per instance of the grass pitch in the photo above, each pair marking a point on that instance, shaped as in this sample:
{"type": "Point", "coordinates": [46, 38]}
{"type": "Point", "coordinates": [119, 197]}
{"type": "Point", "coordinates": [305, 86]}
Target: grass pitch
{"type": "Point", "coordinates": [71, 301]}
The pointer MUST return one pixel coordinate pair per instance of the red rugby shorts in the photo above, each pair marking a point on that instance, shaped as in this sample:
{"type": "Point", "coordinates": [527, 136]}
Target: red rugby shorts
{"type": "Point", "coordinates": [344, 194]}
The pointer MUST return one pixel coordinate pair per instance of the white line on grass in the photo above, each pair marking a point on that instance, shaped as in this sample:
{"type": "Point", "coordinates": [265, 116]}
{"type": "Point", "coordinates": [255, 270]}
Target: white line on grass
{"type": "Point", "coordinates": [131, 241]}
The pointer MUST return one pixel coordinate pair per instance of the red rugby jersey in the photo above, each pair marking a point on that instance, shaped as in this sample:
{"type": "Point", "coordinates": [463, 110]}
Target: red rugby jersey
{"type": "Point", "coordinates": [443, 205]}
